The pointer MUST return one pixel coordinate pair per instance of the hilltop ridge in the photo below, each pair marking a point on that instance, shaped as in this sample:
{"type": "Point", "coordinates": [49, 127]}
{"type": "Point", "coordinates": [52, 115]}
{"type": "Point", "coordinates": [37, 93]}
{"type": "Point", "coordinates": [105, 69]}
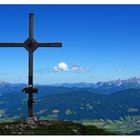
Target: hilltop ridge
{"type": "Point", "coordinates": [50, 128]}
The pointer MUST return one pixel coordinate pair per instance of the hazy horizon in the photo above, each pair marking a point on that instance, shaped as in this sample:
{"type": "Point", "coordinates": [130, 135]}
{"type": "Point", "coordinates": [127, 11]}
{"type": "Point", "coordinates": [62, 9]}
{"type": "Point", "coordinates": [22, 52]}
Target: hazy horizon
{"type": "Point", "coordinates": [130, 78]}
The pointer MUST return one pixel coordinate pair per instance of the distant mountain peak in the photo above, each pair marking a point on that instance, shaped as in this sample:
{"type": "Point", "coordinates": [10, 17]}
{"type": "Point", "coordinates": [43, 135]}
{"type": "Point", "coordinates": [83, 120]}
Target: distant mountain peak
{"type": "Point", "coordinates": [133, 82]}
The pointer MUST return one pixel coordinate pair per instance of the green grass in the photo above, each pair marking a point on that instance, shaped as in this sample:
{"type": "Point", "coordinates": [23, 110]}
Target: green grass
{"type": "Point", "coordinates": [9, 123]}
{"type": "Point", "coordinates": [56, 128]}
{"type": "Point", "coordinates": [69, 128]}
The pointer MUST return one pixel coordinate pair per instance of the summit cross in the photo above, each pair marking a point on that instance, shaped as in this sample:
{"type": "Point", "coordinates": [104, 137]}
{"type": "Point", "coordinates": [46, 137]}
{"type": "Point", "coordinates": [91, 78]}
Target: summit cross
{"type": "Point", "coordinates": [30, 45]}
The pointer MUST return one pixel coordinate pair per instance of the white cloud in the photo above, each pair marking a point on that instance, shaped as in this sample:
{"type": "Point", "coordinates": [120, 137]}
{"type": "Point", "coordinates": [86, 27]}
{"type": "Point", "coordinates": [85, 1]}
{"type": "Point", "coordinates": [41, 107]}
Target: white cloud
{"type": "Point", "coordinates": [78, 68]}
{"type": "Point", "coordinates": [62, 66]}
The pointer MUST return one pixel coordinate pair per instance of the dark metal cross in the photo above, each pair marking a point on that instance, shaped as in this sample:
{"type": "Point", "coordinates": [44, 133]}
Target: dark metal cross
{"type": "Point", "coordinates": [30, 45]}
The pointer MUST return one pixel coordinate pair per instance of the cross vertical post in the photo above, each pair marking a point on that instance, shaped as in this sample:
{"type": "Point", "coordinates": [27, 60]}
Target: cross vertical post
{"type": "Point", "coordinates": [30, 72]}
{"type": "Point", "coordinates": [30, 85]}
{"type": "Point", "coordinates": [30, 45]}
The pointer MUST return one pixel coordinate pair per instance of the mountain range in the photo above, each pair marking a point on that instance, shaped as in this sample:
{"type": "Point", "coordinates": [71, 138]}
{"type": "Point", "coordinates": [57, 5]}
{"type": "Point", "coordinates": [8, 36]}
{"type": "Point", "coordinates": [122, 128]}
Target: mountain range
{"type": "Point", "coordinates": [109, 86]}
{"type": "Point", "coordinates": [99, 87]}
{"type": "Point", "coordinates": [77, 101]}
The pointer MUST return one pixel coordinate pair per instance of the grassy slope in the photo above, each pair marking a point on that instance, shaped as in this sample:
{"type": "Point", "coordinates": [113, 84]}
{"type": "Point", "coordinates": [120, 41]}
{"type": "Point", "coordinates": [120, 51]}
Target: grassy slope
{"type": "Point", "coordinates": [54, 128]}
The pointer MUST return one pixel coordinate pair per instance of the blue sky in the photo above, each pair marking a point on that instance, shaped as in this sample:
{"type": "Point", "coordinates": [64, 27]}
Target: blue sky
{"type": "Point", "coordinates": [100, 42]}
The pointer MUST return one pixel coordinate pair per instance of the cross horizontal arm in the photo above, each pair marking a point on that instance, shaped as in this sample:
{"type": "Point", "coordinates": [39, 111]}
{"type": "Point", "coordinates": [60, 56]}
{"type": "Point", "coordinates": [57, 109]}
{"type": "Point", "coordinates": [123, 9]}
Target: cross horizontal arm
{"type": "Point", "coordinates": [50, 44]}
{"type": "Point", "coordinates": [11, 44]}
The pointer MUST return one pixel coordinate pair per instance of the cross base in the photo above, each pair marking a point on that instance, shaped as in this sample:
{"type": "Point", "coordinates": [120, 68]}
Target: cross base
{"type": "Point", "coordinates": [31, 120]}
